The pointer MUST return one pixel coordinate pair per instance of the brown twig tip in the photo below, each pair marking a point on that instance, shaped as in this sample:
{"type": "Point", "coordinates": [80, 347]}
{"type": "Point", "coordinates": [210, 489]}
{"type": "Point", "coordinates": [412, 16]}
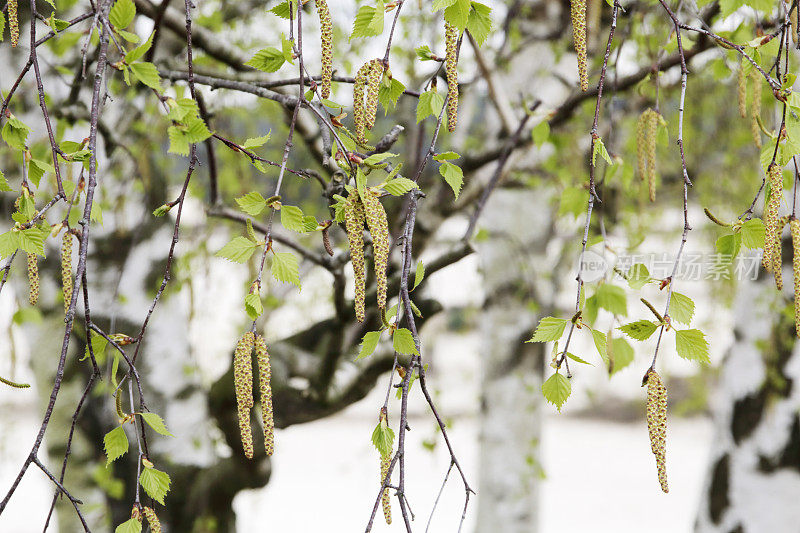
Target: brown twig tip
{"type": "Point", "coordinates": [657, 423]}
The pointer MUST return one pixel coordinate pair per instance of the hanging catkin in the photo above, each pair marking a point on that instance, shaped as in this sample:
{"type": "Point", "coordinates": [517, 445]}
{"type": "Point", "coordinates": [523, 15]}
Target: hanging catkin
{"type": "Point", "coordinates": [359, 86]}
{"type": "Point", "coordinates": [66, 269]}
{"type": "Point", "coordinates": [379, 229]}
{"type": "Point", "coordinates": [386, 501]}
{"type": "Point", "coordinates": [354, 223]}
{"type": "Point", "coordinates": [326, 34]}
{"type": "Point", "coordinates": [755, 109]}
{"type": "Point", "coordinates": [657, 424]}
{"type": "Point", "coordinates": [741, 90]}
{"type": "Point", "coordinates": [33, 279]}
{"type": "Point", "coordinates": [374, 77]}
{"type": "Point", "coordinates": [152, 520]}
{"type": "Point", "coordinates": [243, 381]}
{"type": "Point", "coordinates": [770, 217]}
{"type": "Point", "coordinates": [579, 34]}
{"type": "Point", "coordinates": [451, 68]}
{"type": "Point", "coordinates": [13, 23]}
{"type": "Point", "coordinates": [641, 143]}
{"type": "Point", "coordinates": [265, 388]}
{"type": "Point", "coordinates": [777, 258]}
{"type": "Point", "coordinates": [794, 227]}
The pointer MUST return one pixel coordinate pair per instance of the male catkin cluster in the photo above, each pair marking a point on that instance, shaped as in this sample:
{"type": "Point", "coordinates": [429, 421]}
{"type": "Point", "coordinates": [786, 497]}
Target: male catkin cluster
{"type": "Point", "coordinates": [451, 68]}
{"type": "Point", "coordinates": [243, 382]}
{"type": "Point", "coordinates": [646, 131]}
{"type": "Point", "coordinates": [265, 388]}
{"type": "Point", "coordinates": [379, 229]}
{"type": "Point", "coordinates": [326, 33]}
{"type": "Point", "coordinates": [741, 90]}
{"type": "Point", "coordinates": [152, 519]}
{"type": "Point", "coordinates": [367, 84]}
{"type": "Point", "coordinates": [33, 279]}
{"type": "Point", "coordinates": [13, 22]}
{"type": "Point", "coordinates": [66, 269]}
{"type": "Point", "coordinates": [386, 501]}
{"type": "Point", "coordinates": [755, 109]}
{"type": "Point", "coordinates": [794, 227]}
{"type": "Point", "coordinates": [657, 424]}
{"type": "Point", "coordinates": [579, 34]}
{"type": "Point", "coordinates": [354, 218]}
{"type": "Point", "coordinates": [771, 224]}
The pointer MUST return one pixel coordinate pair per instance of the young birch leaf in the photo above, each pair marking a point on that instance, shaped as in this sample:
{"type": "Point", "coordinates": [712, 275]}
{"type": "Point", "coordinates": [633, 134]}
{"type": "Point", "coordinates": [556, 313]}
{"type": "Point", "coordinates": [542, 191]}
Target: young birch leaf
{"type": "Point", "coordinates": [368, 344]}
{"type": "Point", "coordinates": [292, 218]}
{"type": "Point", "coordinates": [753, 234]}
{"type": "Point", "coordinates": [238, 250]}
{"type": "Point", "coordinates": [399, 186]}
{"type": "Point", "coordinates": [419, 275]}
{"type": "Point", "coordinates": [252, 203]}
{"type": "Point", "coordinates": [267, 60]}
{"type": "Point", "coordinates": [403, 342]}
{"type": "Point", "coordinates": [155, 483]}
{"type": "Point", "coordinates": [638, 276]}
{"type": "Point", "coordinates": [681, 308]}
{"type": "Point", "coordinates": [549, 329]}
{"type": "Point", "coordinates": [578, 359]}
{"type": "Point", "coordinates": [129, 526]}
{"type": "Point", "coordinates": [383, 438]}
{"type": "Point", "coordinates": [116, 444]}
{"type": "Point", "coordinates": [453, 175]}
{"type": "Point", "coordinates": [639, 330]}
{"type": "Point", "coordinates": [147, 73]}
{"type": "Point", "coordinates": [691, 344]}
{"type": "Point", "coordinates": [479, 23]}
{"type": "Point", "coordinates": [285, 268]}
{"type": "Point", "coordinates": [122, 13]}
{"type": "Point", "coordinates": [430, 103]}
{"type": "Point", "coordinates": [612, 298]}
{"type": "Point", "coordinates": [157, 423]}
{"type": "Point", "coordinates": [253, 306]}
{"type": "Point", "coordinates": [556, 390]}
{"type": "Point", "coordinates": [599, 339]}
{"type": "Point", "coordinates": [620, 355]}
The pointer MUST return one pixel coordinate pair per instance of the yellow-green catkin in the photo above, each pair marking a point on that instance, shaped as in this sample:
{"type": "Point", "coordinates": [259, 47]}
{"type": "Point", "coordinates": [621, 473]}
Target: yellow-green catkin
{"type": "Point", "coordinates": [152, 519]}
{"type": "Point", "coordinates": [777, 259]}
{"type": "Point", "coordinates": [13, 22]}
{"type": "Point", "coordinates": [794, 227]}
{"type": "Point", "coordinates": [578, 12]}
{"type": "Point", "coordinates": [66, 269]}
{"type": "Point", "coordinates": [741, 90]}
{"type": "Point", "coordinates": [354, 223]}
{"type": "Point", "coordinates": [359, 114]}
{"type": "Point", "coordinates": [641, 143]}
{"type": "Point", "coordinates": [385, 498]}
{"type": "Point", "coordinates": [755, 109]}
{"type": "Point", "coordinates": [243, 381]}
{"type": "Point", "coordinates": [651, 130]}
{"type": "Point", "coordinates": [265, 388]}
{"type": "Point", "coordinates": [326, 33]}
{"type": "Point", "coordinates": [657, 424]}
{"type": "Point", "coordinates": [374, 77]}
{"type": "Point", "coordinates": [33, 279]}
{"type": "Point", "coordinates": [770, 217]}
{"type": "Point", "coordinates": [379, 229]}
{"type": "Point", "coordinates": [451, 69]}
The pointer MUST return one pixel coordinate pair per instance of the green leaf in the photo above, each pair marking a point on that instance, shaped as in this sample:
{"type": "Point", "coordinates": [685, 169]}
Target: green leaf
{"type": "Point", "coordinates": [419, 275]}
{"type": "Point", "coordinates": [399, 186]}
{"type": "Point", "coordinates": [446, 156]}
{"type": "Point", "coordinates": [285, 268]}
{"type": "Point", "coordinates": [256, 142]}
{"type": "Point", "coordinates": [116, 444]}
{"type": "Point", "coordinates": [430, 103]}
{"type": "Point", "coordinates": [681, 308]}
{"type": "Point", "coordinates": [540, 133]}
{"type": "Point", "coordinates": [368, 22]}
{"type": "Point", "coordinates": [691, 344]}
{"type": "Point", "coordinates": [549, 329]}
{"type": "Point", "coordinates": [32, 239]}
{"type": "Point", "coordinates": [155, 483]}
{"type": "Point", "coordinates": [639, 330]}
{"type": "Point", "coordinates": [267, 60]}
{"type": "Point", "coordinates": [556, 390]}
{"type": "Point", "coordinates": [383, 438]}
{"type": "Point", "coordinates": [252, 203]}
{"type": "Point", "coordinates": [389, 93]}
{"type": "Point", "coordinates": [441, 4]}
{"type": "Point", "coordinates": [600, 148]}
{"type": "Point", "coordinates": [479, 23]}
{"type": "Point", "coordinates": [457, 14]}
{"type": "Point", "coordinates": [620, 355]}
{"type": "Point", "coordinates": [15, 132]}
{"type": "Point", "coordinates": [122, 13]}
{"type": "Point", "coordinates": [599, 339]}
{"type": "Point", "coordinates": [403, 342]}
{"type": "Point", "coordinates": [253, 306]}
{"type": "Point", "coordinates": [285, 9]}
{"type": "Point", "coordinates": [638, 276]}
{"type": "Point", "coordinates": [728, 246]}
{"type": "Point", "coordinates": [36, 170]}
{"type": "Point", "coordinates": [238, 250]}
{"type": "Point", "coordinates": [578, 359]}
{"type": "Point", "coordinates": [147, 73]}
{"type": "Point", "coordinates": [161, 210]}
{"type": "Point", "coordinates": [129, 526]}
{"type": "Point", "coordinates": [368, 344]}
{"type": "Point", "coordinates": [4, 185]}
{"type": "Point", "coordinates": [286, 48]}
{"type": "Point", "coordinates": [612, 298]}
{"type": "Point", "coordinates": [292, 218]}
{"type": "Point", "coordinates": [753, 233]}
{"type": "Point", "coordinates": [157, 423]}
{"type": "Point", "coordinates": [424, 53]}
{"type": "Point", "coordinates": [139, 52]}
{"type": "Point", "coordinates": [453, 175]}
